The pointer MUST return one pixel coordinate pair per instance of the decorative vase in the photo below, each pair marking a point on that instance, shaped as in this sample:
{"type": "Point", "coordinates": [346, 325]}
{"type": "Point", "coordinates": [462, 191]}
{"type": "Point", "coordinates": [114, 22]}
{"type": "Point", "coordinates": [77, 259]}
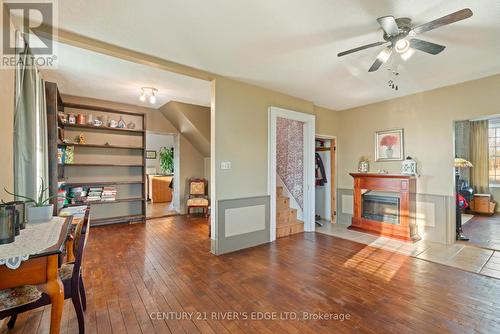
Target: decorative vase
{"type": "Point", "coordinates": [409, 166]}
{"type": "Point", "coordinates": [40, 214]}
{"type": "Point", "coordinates": [363, 167]}
{"type": "Point", "coordinates": [389, 152]}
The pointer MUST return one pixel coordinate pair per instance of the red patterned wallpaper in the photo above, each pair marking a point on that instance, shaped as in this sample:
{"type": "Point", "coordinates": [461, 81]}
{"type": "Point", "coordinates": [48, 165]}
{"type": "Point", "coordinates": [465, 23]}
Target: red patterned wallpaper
{"type": "Point", "coordinates": [290, 156]}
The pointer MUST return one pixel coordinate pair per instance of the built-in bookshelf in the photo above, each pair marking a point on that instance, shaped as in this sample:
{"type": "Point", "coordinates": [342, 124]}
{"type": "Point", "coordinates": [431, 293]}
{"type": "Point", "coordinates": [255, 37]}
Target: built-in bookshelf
{"type": "Point", "coordinates": [110, 158]}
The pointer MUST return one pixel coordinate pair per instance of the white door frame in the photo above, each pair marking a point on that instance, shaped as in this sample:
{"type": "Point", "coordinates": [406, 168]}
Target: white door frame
{"type": "Point", "coordinates": [335, 185]}
{"type": "Point", "coordinates": [309, 137]}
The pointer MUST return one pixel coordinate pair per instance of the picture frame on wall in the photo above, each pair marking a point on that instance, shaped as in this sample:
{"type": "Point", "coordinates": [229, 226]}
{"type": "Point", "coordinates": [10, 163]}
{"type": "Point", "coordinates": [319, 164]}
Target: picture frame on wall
{"type": "Point", "coordinates": [389, 145]}
{"type": "Point", "coordinates": [150, 154]}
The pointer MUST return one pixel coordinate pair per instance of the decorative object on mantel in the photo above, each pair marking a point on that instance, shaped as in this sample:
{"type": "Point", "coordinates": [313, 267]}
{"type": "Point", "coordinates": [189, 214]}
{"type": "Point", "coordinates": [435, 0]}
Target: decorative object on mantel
{"type": "Point", "coordinates": [364, 165]}
{"type": "Point", "coordinates": [80, 119]}
{"type": "Point", "coordinates": [382, 171]}
{"type": "Point", "coordinates": [459, 164]}
{"type": "Point", "coordinates": [97, 122]}
{"type": "Point", "coordinates": [71, 119]}
{"type": "Point", "coordinates": [409, 166]}
{"type": "Point", "coordinates": [389, 145]}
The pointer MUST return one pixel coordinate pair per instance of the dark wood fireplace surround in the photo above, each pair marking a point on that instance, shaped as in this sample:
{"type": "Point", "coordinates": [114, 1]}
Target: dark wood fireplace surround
{"type": "Point", "coordinates": [406, 187]}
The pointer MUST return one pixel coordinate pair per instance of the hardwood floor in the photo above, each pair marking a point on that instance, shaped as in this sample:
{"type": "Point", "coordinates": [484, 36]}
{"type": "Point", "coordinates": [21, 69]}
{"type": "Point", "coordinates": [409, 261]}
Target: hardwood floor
{"type": "Point", "coordinates": [484, 231]}
{"type": "Point", "coordinates": [133, 271]}
{"type": "Point", "coordinates": [159, 210]}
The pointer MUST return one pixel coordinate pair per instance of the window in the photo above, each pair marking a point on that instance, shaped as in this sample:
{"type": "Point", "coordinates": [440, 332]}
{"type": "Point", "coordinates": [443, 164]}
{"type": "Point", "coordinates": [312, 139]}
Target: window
{"type": "Point", "coordinates": [494, 151]}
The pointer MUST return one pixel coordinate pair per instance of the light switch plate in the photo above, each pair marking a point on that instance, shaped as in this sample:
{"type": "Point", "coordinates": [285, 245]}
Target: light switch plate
{"type": "Point", "coordinates": [225, 165]}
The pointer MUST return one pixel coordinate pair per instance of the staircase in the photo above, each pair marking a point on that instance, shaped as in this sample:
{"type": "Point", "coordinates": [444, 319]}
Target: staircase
{"type": "Point", "coordinates": [286, 217]}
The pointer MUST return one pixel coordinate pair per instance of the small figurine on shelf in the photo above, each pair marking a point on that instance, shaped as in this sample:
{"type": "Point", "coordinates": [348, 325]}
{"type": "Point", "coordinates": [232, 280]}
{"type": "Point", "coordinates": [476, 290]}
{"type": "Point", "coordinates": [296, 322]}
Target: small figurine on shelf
{"type": "Point", "coordinates": [131, 125]}
{"type": "Point", "coordinates": [81, 139]}
{"type": "Point", "coordinates": [80, 119]}
{"type": "Point", "coordinates": [121, 123]}
{"type": "Point", "coordinates": [72, 119]}
{"type": "Point", "coordinates": [112, 123]}
{"type": "Point", "coordinates": [63, 118]}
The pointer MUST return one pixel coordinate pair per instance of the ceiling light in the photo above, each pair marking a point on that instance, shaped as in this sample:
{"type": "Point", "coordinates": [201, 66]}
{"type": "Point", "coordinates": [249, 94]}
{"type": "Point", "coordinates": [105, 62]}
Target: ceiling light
{"type": "Point", "coordinates": [148, 91]}
{"type": "Point", "coordinates": [407, 55]}
{"type": "Point", "coordinates": [402, 46]}
{"type": "Point", "coordinates": [384, 55]}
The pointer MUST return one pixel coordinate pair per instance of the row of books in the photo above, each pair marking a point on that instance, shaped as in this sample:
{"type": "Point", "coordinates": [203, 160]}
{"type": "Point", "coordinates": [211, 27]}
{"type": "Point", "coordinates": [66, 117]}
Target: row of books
{"type": "Point", "coordinates": [83, 195]}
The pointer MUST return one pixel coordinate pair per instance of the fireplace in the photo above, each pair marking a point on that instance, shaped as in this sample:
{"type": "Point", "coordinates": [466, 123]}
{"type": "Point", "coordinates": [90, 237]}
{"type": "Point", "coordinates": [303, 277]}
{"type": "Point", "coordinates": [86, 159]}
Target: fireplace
{"type": "Point", "coordinates": [381, 206]}
{"type": "Point", "coordinates": [385, 204]}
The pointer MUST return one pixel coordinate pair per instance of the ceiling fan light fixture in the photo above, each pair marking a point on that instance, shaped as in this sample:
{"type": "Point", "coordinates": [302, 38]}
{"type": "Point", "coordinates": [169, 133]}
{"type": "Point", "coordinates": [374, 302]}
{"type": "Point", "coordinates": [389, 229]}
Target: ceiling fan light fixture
{"type": "Point", "coordinates": [384, 55]}
{"type": "Point", "coordinates": [402, 46]}
{"type": "Point", "coordinates": [407, 55]}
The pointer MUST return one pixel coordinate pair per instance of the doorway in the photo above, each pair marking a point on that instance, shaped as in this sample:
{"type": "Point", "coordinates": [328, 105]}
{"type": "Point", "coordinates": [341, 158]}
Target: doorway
{"type": "Point", "coordinates": [303, 175]}
{"type": "Point", "coordinates": [325, 183]}
{"type": "Point", "coordinates": [477, 181]}
{"type": "Point", "coordinates": [162, 173]}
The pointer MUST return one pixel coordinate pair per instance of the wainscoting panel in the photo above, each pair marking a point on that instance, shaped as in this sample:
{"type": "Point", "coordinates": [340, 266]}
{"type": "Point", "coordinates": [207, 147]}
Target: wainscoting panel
{"type": "Point", "coordinates": [242, 223]}
{"type": "Point", "coordinates": [433, 214]}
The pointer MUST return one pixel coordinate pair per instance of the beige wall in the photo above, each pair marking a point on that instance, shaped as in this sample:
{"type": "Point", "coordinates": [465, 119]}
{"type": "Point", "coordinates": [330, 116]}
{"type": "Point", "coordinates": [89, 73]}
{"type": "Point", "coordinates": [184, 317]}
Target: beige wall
{"type": "Point", "coordinates": [427, 119]}
{"type": "Point", "coordinates": [192, 121]}
{"type": "Point", "coordinates": [191, 161]}
{"type": "Point", "coordinates": [241, 125]}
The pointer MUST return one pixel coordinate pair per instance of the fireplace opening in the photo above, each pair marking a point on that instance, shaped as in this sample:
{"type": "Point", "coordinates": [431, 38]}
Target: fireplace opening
{"type": "Point", "coordinates": [381, 206]}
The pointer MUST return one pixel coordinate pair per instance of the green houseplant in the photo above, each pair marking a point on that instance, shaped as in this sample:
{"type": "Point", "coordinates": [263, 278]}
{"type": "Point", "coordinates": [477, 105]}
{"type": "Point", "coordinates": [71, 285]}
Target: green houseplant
{"type": "Point", "coordinates": [41, 210]}
{"type": "Point", "coordinates": [167, 160]}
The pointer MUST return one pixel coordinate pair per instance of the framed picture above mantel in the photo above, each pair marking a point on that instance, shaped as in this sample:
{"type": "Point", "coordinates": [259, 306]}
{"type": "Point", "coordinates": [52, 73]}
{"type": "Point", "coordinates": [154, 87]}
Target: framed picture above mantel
{"type": "Point", "coordinates": [389, 145]}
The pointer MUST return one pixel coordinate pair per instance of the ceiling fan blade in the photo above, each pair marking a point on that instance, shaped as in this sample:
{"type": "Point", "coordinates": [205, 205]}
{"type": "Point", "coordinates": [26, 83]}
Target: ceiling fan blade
{"type": "Point", "coordinates": [425, 46]}
{"type": "Point", "coordinates": [388, 23]}
{"type": "Point", "coordinates": [360, 48]}
{"type": "Point", "coordinates": [442, 21]}
{"type": "Point", "coordinates": [382, 57]}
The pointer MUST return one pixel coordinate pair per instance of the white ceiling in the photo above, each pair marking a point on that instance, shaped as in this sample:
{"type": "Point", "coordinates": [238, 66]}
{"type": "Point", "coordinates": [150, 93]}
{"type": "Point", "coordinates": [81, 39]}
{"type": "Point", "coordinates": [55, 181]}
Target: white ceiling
{"type": "Point", "coordinates": [84, 73]}
{"type": "Point", "coordinates": [291, 45]}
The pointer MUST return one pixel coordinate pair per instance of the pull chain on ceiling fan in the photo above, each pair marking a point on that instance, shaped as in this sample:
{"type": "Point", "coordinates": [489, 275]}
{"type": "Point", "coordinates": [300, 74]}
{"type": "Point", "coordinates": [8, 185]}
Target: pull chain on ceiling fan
{"type": "Point", "coordinates": [397, 31]}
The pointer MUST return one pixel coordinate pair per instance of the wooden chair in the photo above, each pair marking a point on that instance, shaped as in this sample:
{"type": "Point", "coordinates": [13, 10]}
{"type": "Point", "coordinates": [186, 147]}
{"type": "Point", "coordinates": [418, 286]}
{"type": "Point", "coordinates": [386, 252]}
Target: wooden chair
{"type": "Point", "coordinates": [198, 197]}
{"type": "Point", "coordinates": [28, 297]}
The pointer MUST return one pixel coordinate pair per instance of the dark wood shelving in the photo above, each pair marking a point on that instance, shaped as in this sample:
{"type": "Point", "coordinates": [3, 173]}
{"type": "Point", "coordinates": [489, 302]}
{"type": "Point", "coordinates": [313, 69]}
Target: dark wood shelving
{"type": "Point", "coordinates": [65, 175]}
{"type": "Point", "coordinates": [118, 200]}
{"type": "Point", "coordinates": [106, 128]}
{"type": "Point", "coordinates": [101, 165]}
{"type": "Point", "coordinates": [97, 184]}
{"type": "Point", "coordinates": [321, 149]}
{"type": "Point", "coordinates": [101, 146]}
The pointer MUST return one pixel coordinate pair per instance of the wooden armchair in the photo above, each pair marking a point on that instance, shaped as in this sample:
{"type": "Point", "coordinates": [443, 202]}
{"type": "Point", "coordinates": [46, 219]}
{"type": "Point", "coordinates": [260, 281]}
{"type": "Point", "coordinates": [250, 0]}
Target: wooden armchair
{"type": "Point", "coordinates": [198, 197]}
{"type": "Point", "coordinates": [28, 297]}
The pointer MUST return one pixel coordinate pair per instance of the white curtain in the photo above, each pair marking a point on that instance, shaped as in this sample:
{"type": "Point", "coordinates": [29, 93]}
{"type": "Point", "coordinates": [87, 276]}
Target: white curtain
{"type": "Point", "coordinates": [30, 129]}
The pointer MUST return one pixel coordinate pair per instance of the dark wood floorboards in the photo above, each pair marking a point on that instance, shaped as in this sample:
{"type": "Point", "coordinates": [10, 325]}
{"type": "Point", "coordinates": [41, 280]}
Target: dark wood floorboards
{"type": "Point", "coordinates": [484, 231]}
{"type": "Point", "coordinates": [132, 271]}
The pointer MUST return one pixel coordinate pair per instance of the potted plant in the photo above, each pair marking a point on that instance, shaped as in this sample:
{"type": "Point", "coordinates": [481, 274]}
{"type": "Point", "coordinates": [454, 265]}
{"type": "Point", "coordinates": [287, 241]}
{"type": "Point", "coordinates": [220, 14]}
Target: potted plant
{"type": "Point", "coordinates": [167, 160]}
{"type": "Point", "coordinates": [40, 211]}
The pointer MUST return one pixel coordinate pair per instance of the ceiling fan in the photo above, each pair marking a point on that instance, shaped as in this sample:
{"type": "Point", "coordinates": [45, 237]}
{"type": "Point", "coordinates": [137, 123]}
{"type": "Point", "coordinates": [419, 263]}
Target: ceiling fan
{"type": "Point", "coordinates": [398, 31]}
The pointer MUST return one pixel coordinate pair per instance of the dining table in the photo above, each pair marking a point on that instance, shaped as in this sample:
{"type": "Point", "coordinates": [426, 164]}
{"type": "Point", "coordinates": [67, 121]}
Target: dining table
{"type": "Point", "coordinates": [34, 259]}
